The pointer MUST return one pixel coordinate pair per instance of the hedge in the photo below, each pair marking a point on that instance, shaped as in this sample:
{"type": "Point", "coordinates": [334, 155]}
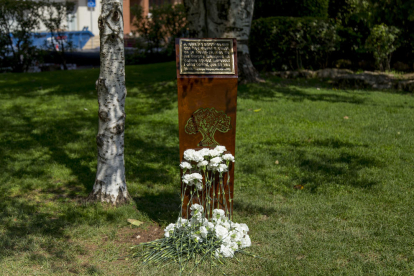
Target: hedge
{"type": "Point", "coordinates": [294, 8]}
{"type": "Point", "coordinates": [287, 43]}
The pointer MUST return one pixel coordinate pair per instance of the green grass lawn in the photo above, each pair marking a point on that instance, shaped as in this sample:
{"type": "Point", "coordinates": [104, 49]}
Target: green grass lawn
{"type": "Point", "coordinates": [351, 151]}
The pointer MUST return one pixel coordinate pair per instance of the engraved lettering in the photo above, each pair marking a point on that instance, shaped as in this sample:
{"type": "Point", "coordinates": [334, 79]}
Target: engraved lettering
{"type": "Point", "coordinates": [206, 57]}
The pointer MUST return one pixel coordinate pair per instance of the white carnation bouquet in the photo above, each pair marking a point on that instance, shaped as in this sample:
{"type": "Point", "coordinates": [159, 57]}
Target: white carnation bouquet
{"type": "Point", "coordinates": [209, 235]}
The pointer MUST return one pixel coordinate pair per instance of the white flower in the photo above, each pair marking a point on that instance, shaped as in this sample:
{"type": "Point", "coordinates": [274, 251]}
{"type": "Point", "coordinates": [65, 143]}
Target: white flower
{"type": "Point", "coordinates": [169, 230]}
{"type": "Point", "coordinates": [244, 228]}
{"type": "Point", "coordinates": [195, 221]}
{"type": "Point", "coordinates": [181, 223]}
{"type": "Point", "coordinates": [221, 232]}
{"type": "Point", "coordinates": [228, 157]}
{"type": "Point", "coordinates": [225, 224]}
{"type": "Point", "coordinates": [234, 246]}
{"type": "Point", "coordinates": [185, 165]}
{"type": "Point", "coordinates": [189, 154]}
{"type": "Point", "coordinates": [208, 225]}
{"type": "Point", "coordinates": [196, 237]}
{"type": "Point", "coordinates": [236, 236]}
{"type": "Point", "coordinates": [217, 253]}
{"type": "Point", "coordinates": [234, 225]}
{"type": "Point", "coordinates": [196, 209]}
{"type": "Point", "coordinates": [220, 149]}
{"type": "Point", "coordinates": [204, 152]}
{"type": "Point", "coordinates": [190, 179]}
{"type": "Point", "coordinates": [192, 155]}
{"type": "Point", "coordinates": [213, 153]}
{"type": "Point", "coordinates": [245, 242]}
{"type": "Point", "coordinates": [198, 157]}
{"type": "Point", "coordinates": [218, 213]}
{"type": "Point", "coordinates": [226, 251]}
{"type": "Point", "coordinates": [214, 163]}
{"type": "Point", "coordinates": [222, 168]}
{"type": "Point", "coordinates": [202, 163]}
{"type": "Point", "coordinates": [203, 232]}
{"type": "Point", "coordinates": [226, 241]}
{"type": "Point", "coordinates": [199, 186]}
{"type": "Point", "coordinates": [197, 176]}
{"type": "Point", "coordinates": [216, 160]}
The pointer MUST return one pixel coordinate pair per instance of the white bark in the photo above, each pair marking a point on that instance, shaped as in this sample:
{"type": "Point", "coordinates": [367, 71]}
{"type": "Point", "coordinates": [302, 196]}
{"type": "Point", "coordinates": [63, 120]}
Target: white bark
{"type": "Point", "coordinates": [110, 185]}
{"type": "Point", "coordinates": [225, 19]}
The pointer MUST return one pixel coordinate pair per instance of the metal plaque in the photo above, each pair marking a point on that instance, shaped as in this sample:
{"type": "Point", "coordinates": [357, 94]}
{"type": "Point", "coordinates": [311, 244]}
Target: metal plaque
{"type": "Point", "coordinates": [206, 56]}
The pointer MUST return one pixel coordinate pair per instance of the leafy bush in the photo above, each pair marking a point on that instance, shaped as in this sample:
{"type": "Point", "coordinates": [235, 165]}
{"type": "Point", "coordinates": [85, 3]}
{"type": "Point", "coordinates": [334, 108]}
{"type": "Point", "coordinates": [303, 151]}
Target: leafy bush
{"type": "Point", "coordinates": [295, 8]}
{"type": "Point", "coordinates": [157, 32]}
{"type": "Point", "coordinates": [400, 14]}
{"type": "Point", "coordinates": [382, 42]}
{"type": "Point", "coordinates": [18, 19]}
{"type": "Point", "coordinates": [293, 43]}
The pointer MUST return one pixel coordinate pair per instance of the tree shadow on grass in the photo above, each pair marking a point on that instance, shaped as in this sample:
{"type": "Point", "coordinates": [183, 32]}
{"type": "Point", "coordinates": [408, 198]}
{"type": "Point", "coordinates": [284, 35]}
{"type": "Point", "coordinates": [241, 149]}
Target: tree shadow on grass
{"type": "Point", "coordinates": [48, 139]}
{"type": "Point", "coordinates": [151, 163]}
{"type": "Point", "coordinates": [318, 163]}
{"type": "Point", "coordinates": [149, 79]}
{"type": "Point", "coordinates": [346, 169]}
{"type": "Point", "coordinates": [245, 208]}
{"type": "Point", "coordinates": [162, 208]}
{"type": "Point", "coordinates": [28, 227]}
{"type": "Point", "coordinates": [31, 144]}
{"type": "Point", "coordinates": [277, 91]}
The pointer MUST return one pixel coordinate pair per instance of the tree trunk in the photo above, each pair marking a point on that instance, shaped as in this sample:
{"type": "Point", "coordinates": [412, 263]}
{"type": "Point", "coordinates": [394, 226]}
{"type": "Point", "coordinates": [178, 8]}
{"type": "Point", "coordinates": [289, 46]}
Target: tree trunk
{"type": "Point", "coordinates": [228, 19]}
{"type": "Point", "coordinates": [110, 185]}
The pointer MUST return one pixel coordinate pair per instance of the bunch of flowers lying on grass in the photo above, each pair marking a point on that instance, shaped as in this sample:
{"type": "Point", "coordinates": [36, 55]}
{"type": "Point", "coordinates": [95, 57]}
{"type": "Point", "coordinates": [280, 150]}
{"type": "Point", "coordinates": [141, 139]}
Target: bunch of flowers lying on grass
{"type": "Point", "coordinates": [219, 236]}
{"type": "Point", "coordinates": [209, 235]}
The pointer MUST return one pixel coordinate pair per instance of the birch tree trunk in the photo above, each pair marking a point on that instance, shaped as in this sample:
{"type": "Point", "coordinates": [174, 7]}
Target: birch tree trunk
{"type": "Point", "coordinates": [110, 185]}
{"type": "Point", "coordinates": [229, 19]}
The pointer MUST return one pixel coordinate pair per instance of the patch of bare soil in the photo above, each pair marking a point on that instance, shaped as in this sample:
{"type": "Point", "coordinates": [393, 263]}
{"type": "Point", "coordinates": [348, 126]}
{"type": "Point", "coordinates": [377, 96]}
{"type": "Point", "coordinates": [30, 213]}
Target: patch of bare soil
{"type": "Point", "coordinates": [137, 235]}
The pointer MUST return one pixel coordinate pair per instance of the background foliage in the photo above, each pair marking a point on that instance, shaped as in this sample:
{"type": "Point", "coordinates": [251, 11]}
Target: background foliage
{"type": "Point", "coordinates": [354, 21]}
{"type": "Point", "coordinates": [18, 19]}
{"type": "Point", "coordinates": [296, 8]}
{"type": "Point", "coordinates": [282, 43]}
{"type": "Point", "coordinates": [382, 42]}
{"type": "Point", "coordinates": [157, 33]}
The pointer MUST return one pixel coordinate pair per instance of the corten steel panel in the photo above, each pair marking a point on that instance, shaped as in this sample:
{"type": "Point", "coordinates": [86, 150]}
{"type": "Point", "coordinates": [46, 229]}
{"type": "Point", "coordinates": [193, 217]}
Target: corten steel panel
{"type": "Point", "coordinates": [207, 91]}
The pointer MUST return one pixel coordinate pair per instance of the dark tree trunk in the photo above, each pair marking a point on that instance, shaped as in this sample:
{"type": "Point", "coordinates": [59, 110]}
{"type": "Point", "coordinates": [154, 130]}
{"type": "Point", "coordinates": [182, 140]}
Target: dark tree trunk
{"type": "Point", "coordinates": [225, 19]}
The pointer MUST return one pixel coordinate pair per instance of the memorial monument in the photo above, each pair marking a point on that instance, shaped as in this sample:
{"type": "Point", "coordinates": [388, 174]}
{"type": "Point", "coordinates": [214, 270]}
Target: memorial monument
{"type": "Point", "coordinates": [207, 101]}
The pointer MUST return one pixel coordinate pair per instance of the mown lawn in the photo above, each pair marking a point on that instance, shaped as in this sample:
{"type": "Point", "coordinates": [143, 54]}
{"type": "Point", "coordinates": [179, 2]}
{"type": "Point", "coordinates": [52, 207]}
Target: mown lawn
{"type": "Point", "coordinates": [351, 151]}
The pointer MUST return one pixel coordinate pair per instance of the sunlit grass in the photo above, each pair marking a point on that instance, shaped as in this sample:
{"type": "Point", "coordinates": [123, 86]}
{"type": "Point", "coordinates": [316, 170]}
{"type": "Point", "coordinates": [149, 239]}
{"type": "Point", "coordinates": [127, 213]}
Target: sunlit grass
{"type": "Point", "coordinates": [351, 151]}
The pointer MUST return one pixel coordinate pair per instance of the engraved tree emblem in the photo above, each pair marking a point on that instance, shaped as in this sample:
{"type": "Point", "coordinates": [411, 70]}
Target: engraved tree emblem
{"type": "Point", "coordinates": [207, 121]}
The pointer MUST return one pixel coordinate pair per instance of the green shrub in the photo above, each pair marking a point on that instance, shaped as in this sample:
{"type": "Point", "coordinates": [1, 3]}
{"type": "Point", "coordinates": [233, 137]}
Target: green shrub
{"type": "Point", "coordinates": [295, 8]}
{"type": "Point", "coordinates": [382, 42]}
{"type": "Point", "coordinates": [157, 33]}
{"type": "Point", "coordinates": [293, 43]}
{"type": "Point", "coordinates": [19, 19]}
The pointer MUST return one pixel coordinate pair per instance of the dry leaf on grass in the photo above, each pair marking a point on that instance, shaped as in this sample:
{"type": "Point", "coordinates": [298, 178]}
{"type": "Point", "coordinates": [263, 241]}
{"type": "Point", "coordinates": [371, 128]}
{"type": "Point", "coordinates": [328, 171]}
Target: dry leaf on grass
{"type": "Point", "coordinates": [135, 222]}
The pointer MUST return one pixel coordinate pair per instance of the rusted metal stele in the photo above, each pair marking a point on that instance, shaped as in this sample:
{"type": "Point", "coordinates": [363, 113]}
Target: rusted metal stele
{"type": "Point", "coordinates": [207, 102]}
